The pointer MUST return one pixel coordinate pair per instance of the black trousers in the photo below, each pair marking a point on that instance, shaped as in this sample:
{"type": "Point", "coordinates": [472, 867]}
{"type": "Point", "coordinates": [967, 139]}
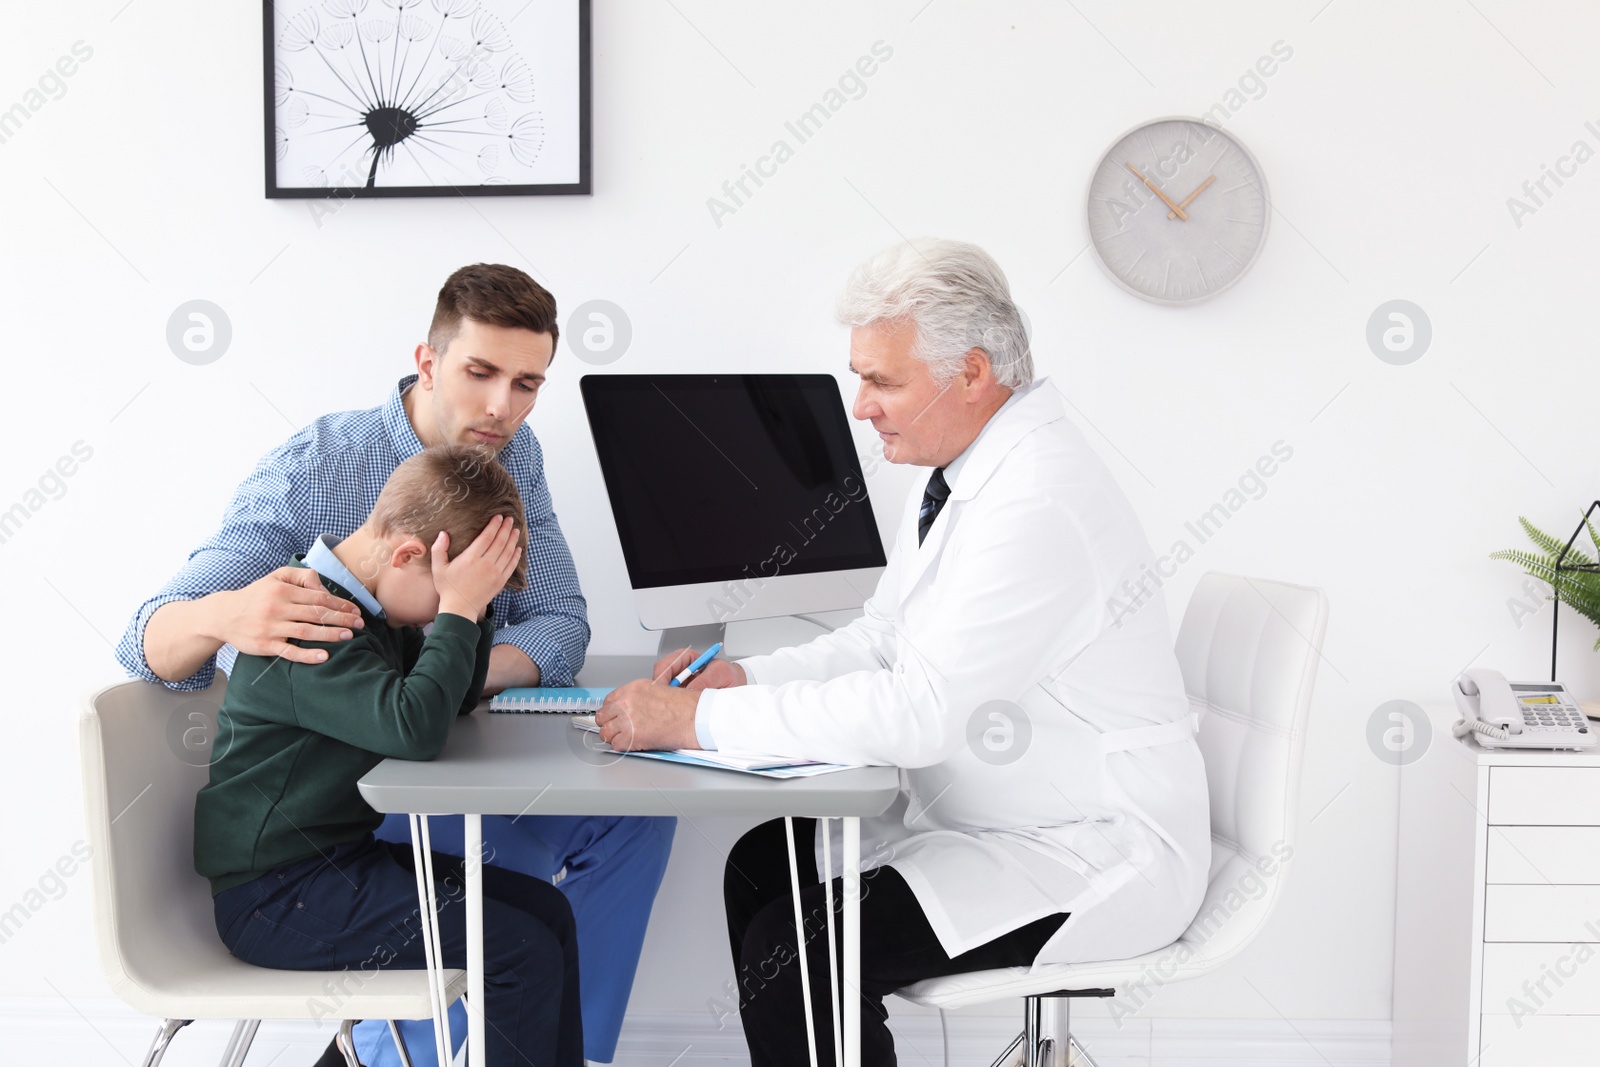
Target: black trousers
{"type": "Point", "coordinates": [898, 947]}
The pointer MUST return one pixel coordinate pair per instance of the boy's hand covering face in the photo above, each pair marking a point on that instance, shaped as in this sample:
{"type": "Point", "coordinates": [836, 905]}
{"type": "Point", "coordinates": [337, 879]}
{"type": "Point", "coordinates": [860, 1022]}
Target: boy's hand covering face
{"type": "Point", "coordinates": [467, 583]}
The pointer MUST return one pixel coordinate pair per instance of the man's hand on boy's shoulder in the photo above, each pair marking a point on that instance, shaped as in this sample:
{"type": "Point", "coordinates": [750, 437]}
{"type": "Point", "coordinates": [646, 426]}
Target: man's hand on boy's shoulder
{"type": "Point", "coordinates": [467, 583]}
{"type": "Point", "coordinates": [291, 602]}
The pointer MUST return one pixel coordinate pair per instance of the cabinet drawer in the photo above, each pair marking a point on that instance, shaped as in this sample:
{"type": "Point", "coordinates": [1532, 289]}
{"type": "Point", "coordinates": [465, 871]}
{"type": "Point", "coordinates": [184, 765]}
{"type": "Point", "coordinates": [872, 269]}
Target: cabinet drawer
{"type": "Point", "coordinates": [1539, 1041]}
{"type": "Point", "coordinates": [1544, 796]}
{"type": "Point", "coordinates": [1541, 913]}
{"type": "Point", "coordinates": [1546, 979]}
{"type": "Point", "coordinates": [1544, 855]}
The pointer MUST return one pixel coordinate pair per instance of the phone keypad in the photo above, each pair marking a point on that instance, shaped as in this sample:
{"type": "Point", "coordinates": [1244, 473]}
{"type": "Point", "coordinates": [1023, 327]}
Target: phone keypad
{"type": "Point", "coordinates": [1554, 718]}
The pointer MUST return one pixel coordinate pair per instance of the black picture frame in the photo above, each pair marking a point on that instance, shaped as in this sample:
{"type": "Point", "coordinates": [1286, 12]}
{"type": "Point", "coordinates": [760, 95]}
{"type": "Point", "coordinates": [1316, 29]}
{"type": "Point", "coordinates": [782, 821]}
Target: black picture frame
{"type": "Point", "coordinates": [582, 187]}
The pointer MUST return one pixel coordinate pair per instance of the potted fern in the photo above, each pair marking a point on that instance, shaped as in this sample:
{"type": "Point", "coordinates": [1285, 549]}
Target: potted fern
{"type": "Point", "coordinates": [1577, 584]}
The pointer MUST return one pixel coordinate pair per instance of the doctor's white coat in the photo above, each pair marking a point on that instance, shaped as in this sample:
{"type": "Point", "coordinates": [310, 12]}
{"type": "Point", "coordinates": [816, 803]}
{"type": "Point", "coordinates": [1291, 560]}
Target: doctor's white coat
{"type": "Point", "coordinates": [1030, 696]}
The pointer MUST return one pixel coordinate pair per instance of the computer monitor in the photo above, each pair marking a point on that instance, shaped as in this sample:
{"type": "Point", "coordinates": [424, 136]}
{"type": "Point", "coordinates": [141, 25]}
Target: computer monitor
{"type": "Point", "coordinates": [736, 496]}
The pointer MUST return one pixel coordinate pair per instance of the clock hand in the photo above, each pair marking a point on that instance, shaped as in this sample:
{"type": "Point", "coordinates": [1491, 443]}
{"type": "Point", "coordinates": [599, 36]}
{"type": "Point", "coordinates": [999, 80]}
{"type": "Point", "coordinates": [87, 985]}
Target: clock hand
{"type": "Point", "coordinates": [1176, 210]}
{"type": "Point", "coordinates": [1185, 201]}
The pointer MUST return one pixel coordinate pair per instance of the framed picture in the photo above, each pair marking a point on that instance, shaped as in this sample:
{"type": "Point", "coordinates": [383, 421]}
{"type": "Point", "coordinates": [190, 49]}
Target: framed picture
{"type": "Point", "coordinates": [426, 97]}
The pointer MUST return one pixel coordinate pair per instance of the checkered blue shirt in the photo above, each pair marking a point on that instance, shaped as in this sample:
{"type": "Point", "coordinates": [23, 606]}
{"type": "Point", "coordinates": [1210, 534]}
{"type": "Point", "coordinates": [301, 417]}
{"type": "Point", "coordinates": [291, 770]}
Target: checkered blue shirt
{"type": "Point", "coordinates": [325, 480]}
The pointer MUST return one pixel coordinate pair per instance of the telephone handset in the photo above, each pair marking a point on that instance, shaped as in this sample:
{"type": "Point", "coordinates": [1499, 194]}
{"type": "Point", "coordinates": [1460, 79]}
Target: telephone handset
{"type": "Point", "coordinates": [1519, 714]}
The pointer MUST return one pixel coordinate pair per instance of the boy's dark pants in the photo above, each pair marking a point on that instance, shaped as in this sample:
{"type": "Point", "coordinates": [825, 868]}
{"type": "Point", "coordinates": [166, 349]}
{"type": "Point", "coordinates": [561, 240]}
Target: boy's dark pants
{"type": "Point", "coordinates": [356, 909]}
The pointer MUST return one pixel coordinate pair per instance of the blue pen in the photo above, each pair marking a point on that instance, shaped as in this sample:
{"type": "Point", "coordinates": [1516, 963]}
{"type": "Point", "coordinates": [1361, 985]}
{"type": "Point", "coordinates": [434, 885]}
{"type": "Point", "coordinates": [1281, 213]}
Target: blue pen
{"type": "Point", "coordinates": [687, 674]}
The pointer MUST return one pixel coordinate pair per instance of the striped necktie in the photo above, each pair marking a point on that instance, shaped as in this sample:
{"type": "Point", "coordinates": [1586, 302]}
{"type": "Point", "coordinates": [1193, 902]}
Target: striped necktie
{"type": "Point", "coordinates": [933, 499]}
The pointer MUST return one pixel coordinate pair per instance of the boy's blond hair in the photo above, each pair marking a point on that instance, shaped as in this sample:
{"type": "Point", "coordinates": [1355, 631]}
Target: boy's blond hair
{"type": "Point", "coordinates": [454, 488]}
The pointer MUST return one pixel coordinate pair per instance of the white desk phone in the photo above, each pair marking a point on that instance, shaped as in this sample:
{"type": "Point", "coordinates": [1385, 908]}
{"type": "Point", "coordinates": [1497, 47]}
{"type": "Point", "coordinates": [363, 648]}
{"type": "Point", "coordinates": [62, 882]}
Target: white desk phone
{"type": "Point", "coordinates": [1519, 714]}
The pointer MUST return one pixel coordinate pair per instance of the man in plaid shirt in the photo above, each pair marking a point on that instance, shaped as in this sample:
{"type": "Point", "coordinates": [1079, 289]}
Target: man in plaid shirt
{"type": "Point", "coordinates": [492, 338]}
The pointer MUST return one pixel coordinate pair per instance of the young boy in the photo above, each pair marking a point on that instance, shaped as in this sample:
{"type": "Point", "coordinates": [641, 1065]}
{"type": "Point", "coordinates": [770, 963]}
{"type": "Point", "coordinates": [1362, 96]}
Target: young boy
{"type": "Point", "coordinates": [297, 878]}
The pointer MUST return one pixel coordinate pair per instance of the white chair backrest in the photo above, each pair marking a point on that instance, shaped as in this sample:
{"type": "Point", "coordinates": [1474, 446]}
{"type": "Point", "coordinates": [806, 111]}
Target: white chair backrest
{"type": "Point", "coordinates": [146, 751]}
{"type": "Point", "coordinates": [1249, 649]}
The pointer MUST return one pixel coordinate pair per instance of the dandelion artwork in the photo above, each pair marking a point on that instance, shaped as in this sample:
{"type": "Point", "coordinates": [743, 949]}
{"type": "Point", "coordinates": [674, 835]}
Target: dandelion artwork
{"type": "Point", "coordinates": [426, 97]}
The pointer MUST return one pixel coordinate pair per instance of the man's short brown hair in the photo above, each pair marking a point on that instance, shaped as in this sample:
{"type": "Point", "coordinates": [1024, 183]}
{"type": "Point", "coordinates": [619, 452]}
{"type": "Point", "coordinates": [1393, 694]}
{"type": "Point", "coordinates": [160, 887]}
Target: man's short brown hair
{"type": "Point", "coordinates": [496, 295]}
{"type": "Point", "coordinates": [454, 488]}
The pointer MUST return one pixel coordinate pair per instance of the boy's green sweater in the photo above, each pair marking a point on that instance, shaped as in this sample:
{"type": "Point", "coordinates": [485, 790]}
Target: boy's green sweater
{"type": "Point", "coordinates": [293, 739]}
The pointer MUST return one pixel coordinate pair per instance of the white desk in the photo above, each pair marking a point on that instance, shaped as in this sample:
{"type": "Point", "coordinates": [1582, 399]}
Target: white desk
{"type": "Point", "coordinates": [1498, 886]}
{"type": "Point", "coordinates": [510, 764]}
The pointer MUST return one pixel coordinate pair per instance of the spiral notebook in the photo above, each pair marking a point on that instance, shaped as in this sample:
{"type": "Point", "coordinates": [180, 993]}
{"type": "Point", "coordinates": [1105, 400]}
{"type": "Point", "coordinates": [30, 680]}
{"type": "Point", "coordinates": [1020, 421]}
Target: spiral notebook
{"type": "Point", "coordinates": [567, 699]}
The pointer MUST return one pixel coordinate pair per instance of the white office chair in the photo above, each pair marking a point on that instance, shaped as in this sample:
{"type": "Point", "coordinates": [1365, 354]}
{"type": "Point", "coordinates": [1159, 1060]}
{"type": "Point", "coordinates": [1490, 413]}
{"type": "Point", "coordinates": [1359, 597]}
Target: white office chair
{"type": "Point", "coordinates": [144, 755]}
{"type": "Point", "coordinates": [1248, 648]}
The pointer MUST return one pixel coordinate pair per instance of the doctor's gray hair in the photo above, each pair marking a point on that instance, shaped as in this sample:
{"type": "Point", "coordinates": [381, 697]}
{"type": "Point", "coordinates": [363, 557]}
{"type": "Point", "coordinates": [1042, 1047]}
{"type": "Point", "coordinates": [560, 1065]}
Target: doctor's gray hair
{"type": "Point", "coordinates": [956, 297]}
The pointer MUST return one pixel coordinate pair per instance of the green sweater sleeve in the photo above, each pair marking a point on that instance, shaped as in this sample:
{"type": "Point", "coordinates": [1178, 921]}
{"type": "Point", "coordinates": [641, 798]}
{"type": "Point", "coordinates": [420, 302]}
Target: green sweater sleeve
{"type": "Point", "coordinates": [358, 696]}
{"type": "Point", "coordinates": [412, 641]}
{"type": "Point", "coordinates": [480, 670]}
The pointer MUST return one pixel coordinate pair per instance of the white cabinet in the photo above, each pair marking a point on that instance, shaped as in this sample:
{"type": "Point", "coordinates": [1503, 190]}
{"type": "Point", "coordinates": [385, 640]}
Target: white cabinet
{"type": "Point", "coordinates": [1497, 916]}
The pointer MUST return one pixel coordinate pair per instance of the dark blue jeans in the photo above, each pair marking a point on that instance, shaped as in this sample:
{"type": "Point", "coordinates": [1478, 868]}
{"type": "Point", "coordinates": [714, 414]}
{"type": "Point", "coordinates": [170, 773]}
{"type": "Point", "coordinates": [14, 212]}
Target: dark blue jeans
{"type": "Point", "coordinates": [613, 865]}
{"type": "Point", "coordinates": [355, 909]}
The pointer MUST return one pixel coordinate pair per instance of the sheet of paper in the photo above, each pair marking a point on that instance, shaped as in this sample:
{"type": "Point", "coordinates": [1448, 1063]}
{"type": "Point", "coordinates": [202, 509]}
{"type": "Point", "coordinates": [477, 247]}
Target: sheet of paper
{"type": "Point", "coordinates": [747, 763]}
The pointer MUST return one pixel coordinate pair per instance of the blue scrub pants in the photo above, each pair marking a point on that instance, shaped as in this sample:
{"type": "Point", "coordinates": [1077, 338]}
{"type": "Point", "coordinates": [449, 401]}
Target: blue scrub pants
{"type": "Point", "coordinates": [613, 868]}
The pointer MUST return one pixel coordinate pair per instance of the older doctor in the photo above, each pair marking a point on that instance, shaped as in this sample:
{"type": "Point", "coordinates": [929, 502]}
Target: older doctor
{"type": "Point", "coordinates": [1053, 801]}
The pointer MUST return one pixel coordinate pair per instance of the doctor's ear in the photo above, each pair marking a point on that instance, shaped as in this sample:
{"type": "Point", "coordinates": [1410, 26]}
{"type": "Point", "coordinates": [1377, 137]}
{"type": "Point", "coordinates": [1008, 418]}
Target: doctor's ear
{"type": "Point", "coordinates": [976, 370]}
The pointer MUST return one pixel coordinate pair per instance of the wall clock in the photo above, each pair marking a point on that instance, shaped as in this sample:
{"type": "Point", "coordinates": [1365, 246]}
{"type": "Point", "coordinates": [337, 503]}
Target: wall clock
{"type": "Point", "coordinates": [1177, 211]}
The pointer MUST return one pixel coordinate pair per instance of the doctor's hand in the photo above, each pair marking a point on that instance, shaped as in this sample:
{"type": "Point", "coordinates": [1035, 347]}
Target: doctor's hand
{"type": "Point", "coordinates": [642, 715]}
{"type": "Point", "coordinates": [718, 674]}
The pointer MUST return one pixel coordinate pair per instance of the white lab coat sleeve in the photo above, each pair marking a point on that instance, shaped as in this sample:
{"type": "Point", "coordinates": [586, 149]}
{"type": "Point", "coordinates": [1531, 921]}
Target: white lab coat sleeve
{"type": "Point", "coordinates": [866, 643]}
{"type": "Point", "coordinates": [1016, 598]}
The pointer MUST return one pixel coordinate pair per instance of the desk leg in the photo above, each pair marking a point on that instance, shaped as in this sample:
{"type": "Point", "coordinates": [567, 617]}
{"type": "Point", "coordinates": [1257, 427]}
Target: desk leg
{"type": "Point", "coordinates": [473, 840]}
{"type": "Point", "coordinates": [833, 957]}
{"type": "Point", "coordinates": [428, 913]}
{"type": "Point", "coordinates": [852, 941]}
{"type": "Point", "coordinates": [800, 942]}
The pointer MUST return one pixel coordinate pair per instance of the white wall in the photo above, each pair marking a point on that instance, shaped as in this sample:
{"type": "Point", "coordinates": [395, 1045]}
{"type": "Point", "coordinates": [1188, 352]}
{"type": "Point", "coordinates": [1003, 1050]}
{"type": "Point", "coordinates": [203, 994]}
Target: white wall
{"type": "Point", "coordinates": [1391, 140]}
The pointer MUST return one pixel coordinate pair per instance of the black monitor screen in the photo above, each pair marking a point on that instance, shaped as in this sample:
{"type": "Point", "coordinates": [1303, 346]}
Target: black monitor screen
{"type": "Point", "coordinates": [717, 477]}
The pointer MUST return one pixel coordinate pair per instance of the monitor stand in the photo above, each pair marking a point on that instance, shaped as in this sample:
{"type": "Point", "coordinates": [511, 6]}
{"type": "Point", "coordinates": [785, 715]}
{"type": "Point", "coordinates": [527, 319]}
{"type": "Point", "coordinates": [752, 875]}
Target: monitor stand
{"type": "Point", "coordinates": [699, 637]}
